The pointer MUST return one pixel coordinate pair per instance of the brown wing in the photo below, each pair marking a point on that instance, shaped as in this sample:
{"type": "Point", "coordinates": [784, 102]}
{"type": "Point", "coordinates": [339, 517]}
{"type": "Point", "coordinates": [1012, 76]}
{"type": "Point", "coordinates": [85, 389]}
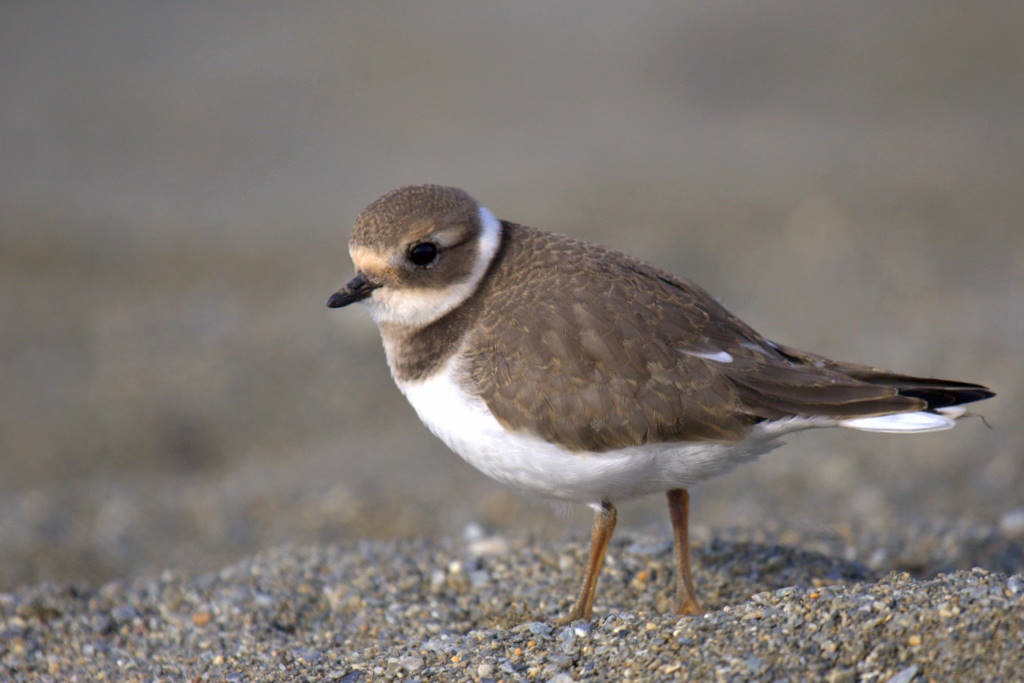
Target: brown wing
{"type": "Point", "coordinates": [613, 352]}
{"type": "Point", "coordinates": [590, 358]}
{"type": "Point", "coordinates": [935, 392]}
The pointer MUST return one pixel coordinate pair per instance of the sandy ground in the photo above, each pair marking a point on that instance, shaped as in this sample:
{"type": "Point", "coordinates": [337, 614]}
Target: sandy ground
{"type": "Point", "coordinates": [176, 190]}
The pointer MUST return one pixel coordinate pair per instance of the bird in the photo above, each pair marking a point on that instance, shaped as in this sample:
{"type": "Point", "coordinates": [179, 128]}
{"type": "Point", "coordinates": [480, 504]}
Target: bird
{"type": "Point", "coordinates": [574, 372]}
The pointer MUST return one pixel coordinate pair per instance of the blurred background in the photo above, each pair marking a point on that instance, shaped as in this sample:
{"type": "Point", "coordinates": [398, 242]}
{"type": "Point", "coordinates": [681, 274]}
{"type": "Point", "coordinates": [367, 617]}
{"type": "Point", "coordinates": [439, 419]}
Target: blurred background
{"type": "Point", "coordinates": [178, 181]}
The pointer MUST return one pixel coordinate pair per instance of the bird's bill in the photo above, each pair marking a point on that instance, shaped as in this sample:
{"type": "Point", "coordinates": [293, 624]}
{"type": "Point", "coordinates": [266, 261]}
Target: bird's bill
{"type": "Point", "coordinates": [357, 289]}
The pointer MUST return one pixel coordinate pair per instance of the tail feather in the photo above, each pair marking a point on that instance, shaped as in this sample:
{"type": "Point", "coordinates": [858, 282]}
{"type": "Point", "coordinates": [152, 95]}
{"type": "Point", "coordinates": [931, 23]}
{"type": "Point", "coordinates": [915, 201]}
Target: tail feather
{"type": "Point", "coordinates": [937, 395]}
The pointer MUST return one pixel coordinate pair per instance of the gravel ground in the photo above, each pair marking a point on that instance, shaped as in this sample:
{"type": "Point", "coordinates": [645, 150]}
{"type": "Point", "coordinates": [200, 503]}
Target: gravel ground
{"type": "Point", "coordinates": [483, 608]}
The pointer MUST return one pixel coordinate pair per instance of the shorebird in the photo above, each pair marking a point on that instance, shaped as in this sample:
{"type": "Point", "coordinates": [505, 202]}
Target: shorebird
{"type": "Point", "coordinates": [579, 373]}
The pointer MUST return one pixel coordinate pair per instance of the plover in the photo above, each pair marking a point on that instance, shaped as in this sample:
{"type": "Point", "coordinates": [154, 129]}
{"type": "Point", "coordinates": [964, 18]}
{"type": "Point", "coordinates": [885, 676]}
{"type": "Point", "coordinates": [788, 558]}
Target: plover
{"type": "Point", "coordinates": [579, 373]}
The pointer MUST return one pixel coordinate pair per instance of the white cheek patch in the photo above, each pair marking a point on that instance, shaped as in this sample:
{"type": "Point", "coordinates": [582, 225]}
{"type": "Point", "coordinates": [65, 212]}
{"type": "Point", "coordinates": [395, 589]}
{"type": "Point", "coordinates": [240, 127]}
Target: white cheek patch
{"type": "Point", "coordinates": [414, 307]}
{"type": "Point", "coordinates": [417, 307]}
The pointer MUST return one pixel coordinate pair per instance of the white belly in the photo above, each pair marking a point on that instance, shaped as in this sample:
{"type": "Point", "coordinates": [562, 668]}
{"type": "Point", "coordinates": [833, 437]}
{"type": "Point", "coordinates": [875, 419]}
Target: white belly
{"type": "Point", "coordinates": [526, 462]}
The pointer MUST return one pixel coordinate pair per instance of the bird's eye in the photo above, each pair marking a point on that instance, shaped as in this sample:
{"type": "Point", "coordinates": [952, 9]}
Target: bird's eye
{"type": "Point", "coordinates": [423, 253]}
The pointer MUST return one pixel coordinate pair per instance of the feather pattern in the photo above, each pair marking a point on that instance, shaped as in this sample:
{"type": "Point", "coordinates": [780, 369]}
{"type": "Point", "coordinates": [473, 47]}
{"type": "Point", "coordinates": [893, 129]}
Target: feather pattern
{"type": "Point", "coordinates": [594, 350]}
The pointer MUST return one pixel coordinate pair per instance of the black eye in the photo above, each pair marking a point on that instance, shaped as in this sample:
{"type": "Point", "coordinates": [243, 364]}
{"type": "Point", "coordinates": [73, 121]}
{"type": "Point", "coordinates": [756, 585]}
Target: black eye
{"type": "Point", "coordinates": [423, 254]}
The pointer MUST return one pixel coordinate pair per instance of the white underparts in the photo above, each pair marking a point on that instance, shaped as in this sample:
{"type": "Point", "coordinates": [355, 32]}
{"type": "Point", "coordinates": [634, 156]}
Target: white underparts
{"type": "Point", "coordinates": [527, 462]}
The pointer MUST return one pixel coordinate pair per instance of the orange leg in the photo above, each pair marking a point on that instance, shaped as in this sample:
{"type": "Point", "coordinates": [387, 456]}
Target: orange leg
{"type": "Point", "coordinates": [604, 525]}
{"type": "Point", "coordinates": [679, 511]}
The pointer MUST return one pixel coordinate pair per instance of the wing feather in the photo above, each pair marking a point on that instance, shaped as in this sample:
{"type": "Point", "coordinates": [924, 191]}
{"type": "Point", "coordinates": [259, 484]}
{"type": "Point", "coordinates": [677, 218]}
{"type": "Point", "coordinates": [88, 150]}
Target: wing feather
{"type": "Point", "coordinates": [599, 351]}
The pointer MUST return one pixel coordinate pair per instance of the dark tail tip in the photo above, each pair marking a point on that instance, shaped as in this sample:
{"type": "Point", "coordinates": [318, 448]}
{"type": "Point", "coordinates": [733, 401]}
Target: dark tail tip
{"type": "Point", "coordinates": [943, 393]}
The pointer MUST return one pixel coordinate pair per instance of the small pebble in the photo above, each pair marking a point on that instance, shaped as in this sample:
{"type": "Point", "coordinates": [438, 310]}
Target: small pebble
{"type": "Point", "coordinates": [201, 618]}
{"type": "Point", "coordinates": [562, 678]}
{"type": "Point", "coordinates": [411, 663]}
{"type": "Point", "coordinates": [650, 549]}
{"type": "Point", "coordinates": [905, 675]}
{"type": "Point", "coordinates": [841, 676]}
{"type": "Point", "coordinates": [123, 613]}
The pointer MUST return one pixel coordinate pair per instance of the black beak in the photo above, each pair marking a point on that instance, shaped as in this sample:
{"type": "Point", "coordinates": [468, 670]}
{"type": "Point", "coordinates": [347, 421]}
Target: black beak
{"type": "Point", "coordinates": [357, 289]}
